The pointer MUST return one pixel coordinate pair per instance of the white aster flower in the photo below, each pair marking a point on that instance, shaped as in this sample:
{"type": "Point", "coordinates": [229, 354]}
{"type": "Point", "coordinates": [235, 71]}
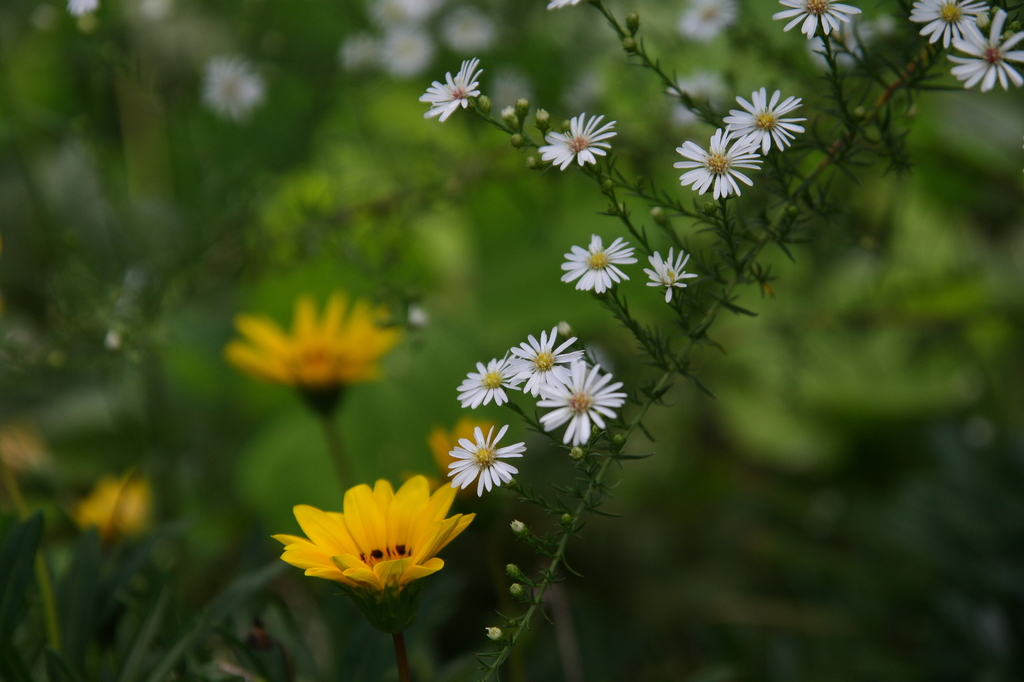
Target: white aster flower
{"type": "Point", "coordinates": [538, 363]}
{"type": "Point", "coordinates": [231, 87]}
{"type": "Point", "coordinates": [406, 51]}
{"type": "Point", "coordinates": [587, 397]}
{"type": "Point", "coordinates": [359, 52]}
{"type": "Point", "coordinates": [595, 266]}
{"type": "Point", "coordinates": [668, 273]}
{"type": "Point", "coordinates": [468, 30]}
{"type": "Point", "coordinates": [718, 165]}
{"type": "Point", "coordinates": [480, 459]}
{"type": "Point", "coordinates": [989, 56]}
{"type": "Point", "coordinates": [487, 384]}
{"type": "Point", "coordinates": [77, 8]}
{"type": "Point", "coordinates": [762, 121]}
{"type": "Point", "coordinates": [810, 12]}
{"type": "Point", "coordinates": [558, 4]}
{"type": "Point", "coordinates": [945, 19]}
{"type": "Point", "coordinates": [444, 98]}
{"type": "Point", "coordinates": [705, 19]}
{"type": "Point", "coordinates": [580, 143]}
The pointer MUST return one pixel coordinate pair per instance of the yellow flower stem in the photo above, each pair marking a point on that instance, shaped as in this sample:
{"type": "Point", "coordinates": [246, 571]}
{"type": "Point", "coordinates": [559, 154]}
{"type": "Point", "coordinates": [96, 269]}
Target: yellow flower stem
{"type": "Point", "coordinates": [337, 451]}
{"type": "Point", "coordinates": [42, 570]}
{"type": "Point", "coordinates": [401, 658]}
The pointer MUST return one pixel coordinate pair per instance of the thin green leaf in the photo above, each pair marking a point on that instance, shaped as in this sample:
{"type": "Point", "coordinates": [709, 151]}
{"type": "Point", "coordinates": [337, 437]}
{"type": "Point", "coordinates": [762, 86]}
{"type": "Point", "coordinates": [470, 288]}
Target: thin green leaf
{"type": "Point", "coordinates": [16, 561]}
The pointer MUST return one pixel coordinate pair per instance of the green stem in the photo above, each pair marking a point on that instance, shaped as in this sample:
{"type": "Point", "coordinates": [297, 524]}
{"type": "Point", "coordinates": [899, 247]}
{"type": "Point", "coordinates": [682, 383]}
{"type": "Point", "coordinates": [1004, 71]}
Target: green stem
{"type": "Point", "coordinates": [337, 452]}
{"type": "Point", "coordinates": [401, 658]}
{"type": "Point", "coordinates": [43, 579]}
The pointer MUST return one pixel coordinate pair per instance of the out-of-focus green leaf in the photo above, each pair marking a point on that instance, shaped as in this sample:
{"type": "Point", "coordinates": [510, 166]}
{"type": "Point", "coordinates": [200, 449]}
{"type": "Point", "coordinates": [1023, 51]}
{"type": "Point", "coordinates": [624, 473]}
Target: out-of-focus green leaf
{"type": "Point", "coordinates": [58, 670]}
{"type": "Point", "coordinates": [12, 668]}
{"type": "Point", "coordinates": [132, 667]}
{"type": "Point", "coordinates": [16, 560]}
{"type": "Point", "coordinates": [76, 599]}
{"type": "Point", "coordinates": [221, 606]}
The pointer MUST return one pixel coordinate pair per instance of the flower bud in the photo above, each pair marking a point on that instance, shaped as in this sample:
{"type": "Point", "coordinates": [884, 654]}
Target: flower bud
{"type": "Point", "coordinates": [112, 341]}
{"type": "Point", "coordinates": [629, 44]}
{"type": "Point", "coordinates": [711, 208]}
{"type": "Point", "coordinates": [532, 162]}
{"type": "Point", "coordinates": [483, 103]}
{"type": "Point", "coordinates": [577, 453]}
{"type": "Point", "coordinates": [1011, 28]}
{"type": "Point", "coordinates": [658, 216]}
{"type": "Point", "coordinates": [633, 22]}
{"type": "Point", "coordinates": [522, 107]}
{"type": "Point", "coordinates": [543, 119]}
{"type": "Point", "coordinates": [519, 529]}
{"type": "Point", "coordinates": [494, 634]}
{"type": "Point", "coordinates": [566, 126]}
{"type": "Point", "coordinates": [860, 112]}
{"type": "Point", "coordinates": [564, 329]}
{"type": "Point", "coordinates": [607, 186]}
{"type": "Point", "coordinates": [508, 115]}
{"type": "Point", "coordinates": [566, 520]}
{"type": "Point", "coordinates": [793, 210]}
{"type": "Point", "coordinates": [983, 20]}
{"type": "Point", "coordinates": [619, 439]}
{"type": "Point", "coordinates": [512, 571]}
{"type": "Point", "coordinates": [517, 591]}
{"type": "Point", "coordinates": [518, 141]}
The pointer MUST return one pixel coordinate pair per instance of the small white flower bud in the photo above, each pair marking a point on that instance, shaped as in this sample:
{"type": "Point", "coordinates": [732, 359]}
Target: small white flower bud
{"type": "Point", "coordinates": [983, 21]}
{"type": "Point", "coordinates": [517, 590]}
{"type": "Point", "coordinates": [508, 115]}
{"type": "Point", "coordinates": [493, 634]}
{"type": "Point", "coordinates": [112, 341]}
{"type": "Point", "coordinates": [417, 316]}
{"type": "Point", "coordinates": [519, 528]}
{"type": "Point", "coordinates": [564, 329]}
{"type": "Point", "coordinates": [577, 453]}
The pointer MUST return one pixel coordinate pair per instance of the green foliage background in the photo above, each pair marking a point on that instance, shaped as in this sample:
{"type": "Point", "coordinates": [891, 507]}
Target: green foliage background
{"type": "Point", "coordinates": [848, 505]}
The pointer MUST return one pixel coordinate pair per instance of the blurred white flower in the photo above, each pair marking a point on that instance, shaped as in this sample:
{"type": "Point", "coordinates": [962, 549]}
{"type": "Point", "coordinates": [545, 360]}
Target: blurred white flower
{"type": "Point", "coordinates": [77, 8]}
{"type": "Point", "coordinates": [581, 143]}
{"type": "Point", "coordinates": [989, 57]}
{"type": "Point", "coordinates": [480, 459]}
{"type": "Point", "coordinates": [584, 92]}
{"type": "Point", "coordinates": [810, 12]}
{"type": "Point", "coordinates": [508, 86]}
{"type": "Point", "coordinates": [847, 44]}
{"type": "Point", "coordinates": [945, 19]}
{"type": "Point", "coordinates": [407, 51]}
{"type": "Point", "coordinates": [445, 98]}
{"type": "Point", "coordinates": [417, 317]}
{"type": "Point", "coordinates": [668, 273]}
{"type": "Point", "coordinates": [703, 20]}
{"type": "Point", "coordinates": [595, 265]}
{"type": "Point", "coordinates": [468, 30]}
{"type": "Point", "coordinates": [359, 52]}
{"type": "Point", "coordinates": [718, 165]}
{"type": "Point", "coordinates": [558, 4]}
{"type": "Point", "coordinates": [231, 87]}
{"type": "Point", "coordinates": [389, 14]}
{"type": "Point", "coordinates": [762, 121]}
{"type": "Point", "coordinates": [155, 10]}
{"type": "Point", "coordinates": [701, 86]}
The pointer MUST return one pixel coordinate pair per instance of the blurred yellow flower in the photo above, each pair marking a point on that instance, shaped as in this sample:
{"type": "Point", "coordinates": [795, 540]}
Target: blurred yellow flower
{"type": "Point", "coordinates": [382, 543]}
{"type": "Point", "coordinates": [319, 356]}
{"type": "Point", "coordinates": [442, 442]}
{"type": "Point", "coordinates": [116, 507]}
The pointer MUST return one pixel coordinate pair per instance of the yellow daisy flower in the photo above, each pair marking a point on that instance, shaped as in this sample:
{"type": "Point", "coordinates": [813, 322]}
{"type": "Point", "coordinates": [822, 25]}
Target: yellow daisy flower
{"type": "Point", "coordinates": [379, 547]}
{"type": "Point", "coordinates": [116, 507]}
{"type": "Point", "coordinates": [320, 355]}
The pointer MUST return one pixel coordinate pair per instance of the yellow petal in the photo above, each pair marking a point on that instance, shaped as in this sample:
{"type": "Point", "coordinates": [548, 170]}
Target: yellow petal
{"type": "Point", "coordinates": [407, 506]}
{"type": "Point", "coordinates": [383, 493]}
{"type": "Point", "coordinates": [263, 332]}
{"type": "Point", "coordinates": [391, 572]}
{"type": "Point", "coordinates": [364, 519]}
{"type": "Point", "coordinates": [417, 571]}
{"type": "Point", "coordinates": [304, 320]}
{"type": "Point", "coordinates": [334, 314]}
{"type": "Point", "coordinates": [331, 573]}
{"type": "Point", "coordinates": [324, 531]}
{"type": "Point", "coordinates": [257, 364]}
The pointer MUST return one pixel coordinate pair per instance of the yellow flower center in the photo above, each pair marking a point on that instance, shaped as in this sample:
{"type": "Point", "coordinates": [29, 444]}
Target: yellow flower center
{"type": "Point", "coordinates": [484, 456]}
{"type": "Point", "coordinates": [544, 361]}
{"type": "Point", "coordinates": [717, 163]}
{"type": "Point", "coordinates": [765, 120]}
{"type": "Point", "coordinates": [670, 277]}
{"type": "Point", "coordinates": [580, 402]}
{"type": "Point", "coordinates": [598, 261]}
{"type": "Point", "coordinates": [817, 7]}
{"type": "Point", "coordinates": [951, 13]}
{"type": "Point", "coordinates": [492, 380]}
{"type": "Point", "coordinates": [578, 144]}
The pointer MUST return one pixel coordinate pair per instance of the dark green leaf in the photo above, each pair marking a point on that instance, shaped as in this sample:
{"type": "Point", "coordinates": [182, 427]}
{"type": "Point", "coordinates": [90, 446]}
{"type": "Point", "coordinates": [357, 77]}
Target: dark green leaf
{"type": "Point", "coordinates": [16, 561]}
{"type": "Point", "coordinates": [58, 670]}
{"type": "Point", "coordinates": [76, 599]}
{"type": "Point", "coordinates": [132, 667]}
{"type": "Point", "coordinates": [12, 668]}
